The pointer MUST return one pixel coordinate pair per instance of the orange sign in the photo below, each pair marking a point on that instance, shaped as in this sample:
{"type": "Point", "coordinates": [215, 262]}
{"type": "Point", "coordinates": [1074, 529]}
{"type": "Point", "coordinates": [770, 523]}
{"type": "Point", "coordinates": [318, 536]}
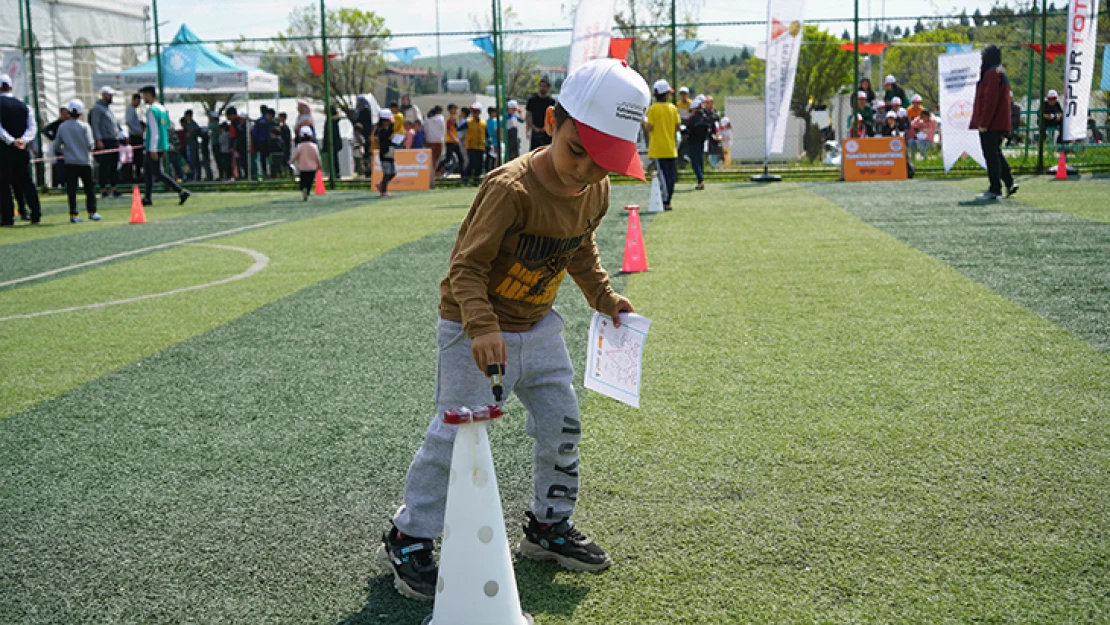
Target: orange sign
{"type": "Point", "coordinates": [876, 158]}
{"type": "Point", "coordinates": [414, 170]}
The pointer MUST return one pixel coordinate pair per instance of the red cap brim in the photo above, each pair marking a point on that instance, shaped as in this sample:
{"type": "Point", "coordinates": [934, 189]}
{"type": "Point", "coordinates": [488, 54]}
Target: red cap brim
{"type": "Point", "coordinates": [609, 152]}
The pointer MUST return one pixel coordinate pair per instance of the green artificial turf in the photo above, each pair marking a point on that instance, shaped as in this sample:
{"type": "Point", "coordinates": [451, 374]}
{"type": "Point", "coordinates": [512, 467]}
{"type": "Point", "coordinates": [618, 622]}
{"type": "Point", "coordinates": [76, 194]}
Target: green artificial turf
{"type": "Point", "coordinates": [45, 356]}
{"type": "Point", "coordinates": [1054, 263]}
{"type": "Point", "coordinates": [1076, 196]}
{"type": "Point", "coordinates": [836, 427]}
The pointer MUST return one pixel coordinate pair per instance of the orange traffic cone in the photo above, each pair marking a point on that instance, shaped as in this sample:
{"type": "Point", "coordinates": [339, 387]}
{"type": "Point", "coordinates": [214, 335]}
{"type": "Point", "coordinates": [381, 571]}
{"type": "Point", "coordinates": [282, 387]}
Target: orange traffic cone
{"type": "Point", "coordinates": [635, 256]}
{"type": "Point", "coordinates": [1062, 167]}
{"type": "Point", "coordinates": [320, 182]}
{"type": "Point", "coordinates": [138, 215]}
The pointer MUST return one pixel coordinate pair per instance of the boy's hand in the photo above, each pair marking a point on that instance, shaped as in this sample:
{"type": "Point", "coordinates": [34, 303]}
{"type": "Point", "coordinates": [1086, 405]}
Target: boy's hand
{"type": "Point", "coordinates": [489, 349]}
{"type": "Point", "coordinates": [623, 305]}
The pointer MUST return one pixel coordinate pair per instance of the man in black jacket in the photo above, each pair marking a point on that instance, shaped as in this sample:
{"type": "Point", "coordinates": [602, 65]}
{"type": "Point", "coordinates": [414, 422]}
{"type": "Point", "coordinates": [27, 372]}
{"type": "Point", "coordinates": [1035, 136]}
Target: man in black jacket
{"type": "Point", "coordinates": [17, 130]}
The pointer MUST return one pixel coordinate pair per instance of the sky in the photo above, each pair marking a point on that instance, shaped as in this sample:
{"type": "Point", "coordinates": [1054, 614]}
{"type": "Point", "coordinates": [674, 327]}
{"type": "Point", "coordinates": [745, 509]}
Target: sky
{"type": "Point", "coordinates": [265, 18]}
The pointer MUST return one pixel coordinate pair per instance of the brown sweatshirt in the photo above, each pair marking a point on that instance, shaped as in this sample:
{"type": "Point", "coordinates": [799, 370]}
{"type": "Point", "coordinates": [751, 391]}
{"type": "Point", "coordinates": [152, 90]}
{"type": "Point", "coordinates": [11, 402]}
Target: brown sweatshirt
{"type": "Point", "coordinates": [514, 247]}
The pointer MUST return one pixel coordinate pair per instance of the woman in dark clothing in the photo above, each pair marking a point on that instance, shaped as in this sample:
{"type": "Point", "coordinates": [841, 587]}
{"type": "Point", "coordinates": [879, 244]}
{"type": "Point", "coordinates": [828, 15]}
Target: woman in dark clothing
{"type": "Point", "coordinates": [991, 115]}
{"type": "Point", "coordinates": [865, 86]}
{"type": "Point", "coordinates": [384, 132]}
{"type": "Point", "coordinates": [698, 128]}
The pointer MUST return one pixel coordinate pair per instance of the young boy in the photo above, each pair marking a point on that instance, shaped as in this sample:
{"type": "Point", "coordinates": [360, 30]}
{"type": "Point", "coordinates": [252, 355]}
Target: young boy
{"type": "Point", "coordinates": [306, 160]}
{"type": "Point", "coordinates": [75, 138]}
{"type": "Point", "coordinates": [532, 222]}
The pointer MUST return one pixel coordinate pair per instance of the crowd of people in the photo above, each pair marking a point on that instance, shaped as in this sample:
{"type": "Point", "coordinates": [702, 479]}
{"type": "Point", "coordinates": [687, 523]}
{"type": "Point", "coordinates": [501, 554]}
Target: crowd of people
{"type": "Point", "coordinates": [889, 117]}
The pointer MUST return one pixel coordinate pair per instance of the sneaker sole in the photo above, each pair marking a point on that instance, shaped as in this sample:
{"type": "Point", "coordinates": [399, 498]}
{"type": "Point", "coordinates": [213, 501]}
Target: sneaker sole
{"type": "Point", "coordinates": [532, 551]}
{"type": "Point", "coordinates": [399, 584]}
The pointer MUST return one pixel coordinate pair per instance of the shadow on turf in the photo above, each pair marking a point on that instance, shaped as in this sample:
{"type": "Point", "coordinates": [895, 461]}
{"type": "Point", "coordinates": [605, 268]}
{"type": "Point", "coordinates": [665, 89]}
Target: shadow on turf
{"type": "Point", "coordinates": [539, 594]}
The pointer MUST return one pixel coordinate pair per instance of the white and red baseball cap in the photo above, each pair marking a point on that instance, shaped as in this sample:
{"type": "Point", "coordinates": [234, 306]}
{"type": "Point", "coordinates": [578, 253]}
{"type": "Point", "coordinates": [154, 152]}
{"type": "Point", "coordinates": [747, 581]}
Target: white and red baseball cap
{"type": "Point", "coordinates": [607, 100]}
{"type": "Point", "coordinates": [916, 98]}
{"type": "Point", "coordinates": [661, 86]}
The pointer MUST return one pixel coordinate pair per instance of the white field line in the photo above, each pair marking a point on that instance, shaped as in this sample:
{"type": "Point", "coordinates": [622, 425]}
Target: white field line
{"type": "Point", "coordinates": [260, 262]}
{"type": "Point", "coordinates": [139, 251]}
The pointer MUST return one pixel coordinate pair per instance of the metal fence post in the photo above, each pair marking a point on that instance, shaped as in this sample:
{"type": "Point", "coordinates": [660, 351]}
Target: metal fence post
{"type": "Point", "coordinates": [157, 52]}
{"type": "Point", "coordinates": [674, 47]}
{"type": "Point", "coordinates": [35, 87]}
{"type": "Point", "coordinates": [328, 138]}
{"type": "Point", "coordinates": [1029, 83]}
{"type": "Point", "coordinates": [1044, 55]}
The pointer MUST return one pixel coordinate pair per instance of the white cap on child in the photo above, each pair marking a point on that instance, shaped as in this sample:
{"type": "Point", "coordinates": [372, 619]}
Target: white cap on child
{"type": "Point", "coordinates": [512, 105]}
{"type": "Point", "coordinates": [890, 80]}
{"type": "Point", "coordinates": [76, 106]}
{"type": "Point", "coordinates": [477, 106]}
{"type": "Point", "coordinates": [385, 114]}
{"type": "Point", "coordinates": [661, 86]}
{"type": "Point", "coordinates": [725, 121]}
{"type": "Point", "coordinates": [896, 100]}
{"type": "Point", "coordinates": [916, 97]}
{"type": "Point", "coordinates": [891, 115]}
{"type": "Point", "coordinates": [607, 100]}
{"type": "Point", "coordinates": [306, 131]}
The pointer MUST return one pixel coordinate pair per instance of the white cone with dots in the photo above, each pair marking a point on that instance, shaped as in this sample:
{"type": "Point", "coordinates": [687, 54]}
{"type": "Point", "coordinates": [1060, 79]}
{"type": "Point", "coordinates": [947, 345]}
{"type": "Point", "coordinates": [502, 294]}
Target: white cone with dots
{"type": "Point", "coordinates": [655, 204]}
{"type": "Point", "coordinates": [476, 584]}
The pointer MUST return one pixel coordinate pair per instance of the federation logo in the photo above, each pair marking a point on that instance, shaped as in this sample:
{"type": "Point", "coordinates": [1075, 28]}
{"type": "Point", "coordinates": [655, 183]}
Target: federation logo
{"type": "Point", "coordinates": [851, 146]}
{"type": "Point", "coordinates": [421, 157]}
{"type": "Point", "coordinates": [896, 144]}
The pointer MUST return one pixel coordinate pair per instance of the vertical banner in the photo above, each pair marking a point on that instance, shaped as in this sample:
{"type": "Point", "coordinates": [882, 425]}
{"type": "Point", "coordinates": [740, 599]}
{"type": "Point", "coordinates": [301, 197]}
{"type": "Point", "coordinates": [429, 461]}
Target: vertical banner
{"type": "Point", "coordinates": [784, 41]}
{"type": "Point", "coordinates": [590, 39]}
{"type": "Point", "coordinates": [14, 67]}
{"type": "Point", "coordinates": [959, 77]}
{"type": "Point", "coordinates": [1082, 31]}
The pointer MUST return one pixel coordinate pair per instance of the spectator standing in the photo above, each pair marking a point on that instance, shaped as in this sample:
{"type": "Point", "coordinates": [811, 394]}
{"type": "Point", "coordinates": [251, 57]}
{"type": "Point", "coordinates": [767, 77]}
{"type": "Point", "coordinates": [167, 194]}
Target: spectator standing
{"type": "Point", "coordinates": [157, 143]}
{"type": "Point", "coordinates": [213, 133]}
{"type": "Point", "coordinates": [226, 152]}
{"type": "Point", "coordinates": [286, 135]}
{"type": "Point", "coordinates": [106, 132]}
{"type": "Point", "coordinates": [384, 133]}
{"type": "Point", "coordinates": [894, 90]}
{"type": "Point", "coordinates": [58, 170]}
{"type": "Point", "coordinates": [713, 143]}
{"type": "Point", "coordinates": [475, 145]}
{"type": "Point", "coordinates": [493, 140]}
{"type": "Point", "coordinates": [364, 116]}
{"type": "Point", "coordinates": [684, 103]}
{"type": "Point", "coordinates": [451, 141]}
{"type": "Point", "coordinates": [1015, 122]}
{"type": "Point", "coordinates": [398, 118]}
{"type": "Point", "coordinates": [697, 130]}
{"type": "Point", "coordinates": [17, 131]}
{"type": "Point", "coordinates": [133, 117]}
{"type": "Point", "coordinates": [410, 136]}
{"type": "Point", "coordinates": [869, 93]}
{"type": "Point", "coordinates": [358, 150]}
{"type": "Point", "coordinates": [418, 141]}
{"type": "Point", "coordinates": [924, 129]}
{"type": "Point", "coordinates": [237, 131]}
{"type": "Point", "coordinates": [662, 125]}
{"type": "Point", "coordinates": [1052, 116]}
{"type": "Point", "coordinates": [513, 124]}
{"type": "Point", "coordinates": [304, 119]}
{"type": "Point", "coordinates": [76, 139]}
{"type": "Point", "coordinates": [435, 133]}
{"type": "Point", "coordinates": [535, 112]}
{"type": "Point", "coordinates": [725, 133]}
{"type": "Point", "coordinates": [410, 111]}
{"type": "Point", "coordinates": [260, 141]}
{"type": "Point", "coordinates": [991, 115]}
{"type": "Point", "coordinates": [306, 160]}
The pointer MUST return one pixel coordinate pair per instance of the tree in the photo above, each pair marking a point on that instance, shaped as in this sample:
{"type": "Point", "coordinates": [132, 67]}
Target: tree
{"type": "Point", "coordinates": [846, 36]}
{"type": "Point", "coordinates": [518, 62]}
{"type": "Point", "coordinates": [918, 27]}
{"type": "Point", "coordinates": [916, 66]}
{"type": "Point", "coordinates": [964, 21]}
{"type": "Point", "coordinates": [650, 53]}
{"type": "Point", "coordinates": [977, 18]}
{"type": "Point", "coordinates": [357, 37]}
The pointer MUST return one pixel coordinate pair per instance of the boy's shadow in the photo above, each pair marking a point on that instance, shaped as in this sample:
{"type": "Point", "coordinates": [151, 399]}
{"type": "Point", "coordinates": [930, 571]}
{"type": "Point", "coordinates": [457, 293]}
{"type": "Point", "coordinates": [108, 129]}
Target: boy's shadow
{"type": "Point", "coordinates": [539, 594]}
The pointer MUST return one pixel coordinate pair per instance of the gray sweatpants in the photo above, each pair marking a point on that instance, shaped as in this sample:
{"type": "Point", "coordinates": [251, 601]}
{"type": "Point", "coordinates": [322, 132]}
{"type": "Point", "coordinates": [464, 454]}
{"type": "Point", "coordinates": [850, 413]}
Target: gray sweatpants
{"type": "Point", "coordinates": [540, 373]}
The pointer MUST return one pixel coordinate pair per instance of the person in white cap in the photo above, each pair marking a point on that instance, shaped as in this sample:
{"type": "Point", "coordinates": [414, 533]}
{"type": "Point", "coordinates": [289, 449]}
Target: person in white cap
{"type": "Point", "coordinates": [531, 224]}
{"type": "Point", "coordinates": [157, 143]}
{"type": "Point", "coordinates": [17, 131]}
{"type": "Point", "coordinates": [513, 124]}
{"type": "Point", "coordinates": [1052, 116]}
{"type": "Point", "coordinates": [683, 103]}
{"type": "Point", "coordinates": [77, 142]}
{"type": "Point", "coordinates": [893, 89]}
{"type": "Point", "coordinates": [106, 131]}
{"type": "Point", "coordinates": [890, 129]}
{"type": "Point", "coordinates": [991, 116]}
{"type": "Point", "coordinates": [915, 107]}
{"type": "Point", "coordinates": [724, 131]}
{"type": "Point", "coordinates": [306, 160]}
{"type": "Point", "coordinates": [662, 124]}
{"type": "Point", "coordinates": [697, 130]}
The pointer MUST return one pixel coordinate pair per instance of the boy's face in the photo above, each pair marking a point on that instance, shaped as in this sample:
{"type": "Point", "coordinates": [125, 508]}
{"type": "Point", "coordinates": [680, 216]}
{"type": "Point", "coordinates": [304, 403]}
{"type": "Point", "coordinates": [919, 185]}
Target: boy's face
{"type": "Point", "coordinates": [572, 164]}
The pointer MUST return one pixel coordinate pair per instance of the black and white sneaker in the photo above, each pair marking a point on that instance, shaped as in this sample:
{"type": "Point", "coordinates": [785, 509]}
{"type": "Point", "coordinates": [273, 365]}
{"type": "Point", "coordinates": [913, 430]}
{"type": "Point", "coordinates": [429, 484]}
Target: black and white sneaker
{"type": "Point", "coordinates": [1012, 189]}
{"type": "Point", "coordinates": [563, 543]}
{"type": "Point", "coordinates": [988, 196]}
{"type": "Point", "coordinates": [412, 564]}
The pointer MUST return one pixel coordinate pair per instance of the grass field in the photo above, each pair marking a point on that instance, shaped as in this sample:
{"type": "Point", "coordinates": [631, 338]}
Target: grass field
{"type": "Point", "coordinates": [862, 403]}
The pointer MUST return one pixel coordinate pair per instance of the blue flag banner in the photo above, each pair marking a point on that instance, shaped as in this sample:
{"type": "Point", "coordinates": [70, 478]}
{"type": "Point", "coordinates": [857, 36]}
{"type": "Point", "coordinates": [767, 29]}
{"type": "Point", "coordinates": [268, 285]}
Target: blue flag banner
{"type": "Point", "coordinates": [485, 43]}
{"type": "Point", "coordinates": [1106, 67]}
{"type": "Point", "coordinates": [690, 46]}
{"type": "Point", "coordinates": [953, 48]}
{"type": "Point", "coordinates": [404, 55]}
{"type": "Point", "coordinates": [179, 67]}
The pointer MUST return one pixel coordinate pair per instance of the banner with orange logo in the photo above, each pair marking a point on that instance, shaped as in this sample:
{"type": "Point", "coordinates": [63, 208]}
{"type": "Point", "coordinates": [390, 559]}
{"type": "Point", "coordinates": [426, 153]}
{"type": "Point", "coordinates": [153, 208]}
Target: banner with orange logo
{"type": "Point", "coordinates": [877, 158]}
{"type": "Point", "coordinates": [414, 170]}
{"type": "Point", "coordinates": [959, 76]}
{"type": "Point", "coordinates": [784, 41]}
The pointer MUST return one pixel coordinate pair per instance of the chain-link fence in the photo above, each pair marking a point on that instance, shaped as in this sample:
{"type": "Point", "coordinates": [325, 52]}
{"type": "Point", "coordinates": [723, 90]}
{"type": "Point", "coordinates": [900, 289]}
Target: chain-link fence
{"type": "Point", "coordinates": [360, 67]}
